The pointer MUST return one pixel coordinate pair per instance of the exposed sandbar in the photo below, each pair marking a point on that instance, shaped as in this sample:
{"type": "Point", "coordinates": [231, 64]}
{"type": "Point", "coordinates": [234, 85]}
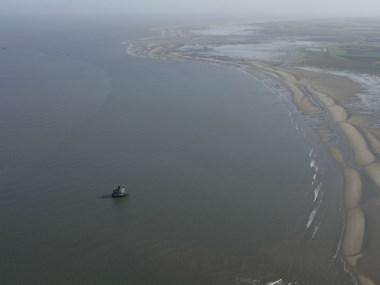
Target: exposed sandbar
{"type": "Point", "coordinates": [337, 87]}
{"type": "Point", "coordinates": [337, 154]}
{"type": "Point", "coordinates": [354, 232]}
{"type": "Point", "coordinates": [373, 141]}
{"type": "Point", "coordinates": [362, 154]}
{"type": "Point", "coordinates": [338, 114]}
{"type": "Point", "coordinates": [353, 188]}
{"type": "Point", "coordinates": [373, 171]}
{"type": "Point", "coordinates": [355, 219]}
{"type": "Point", "coordinates": [365, 281]}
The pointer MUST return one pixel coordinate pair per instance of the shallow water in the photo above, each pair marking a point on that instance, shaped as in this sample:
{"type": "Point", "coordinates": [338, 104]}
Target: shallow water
{"type": "Point", "coordinates": [221, 181]}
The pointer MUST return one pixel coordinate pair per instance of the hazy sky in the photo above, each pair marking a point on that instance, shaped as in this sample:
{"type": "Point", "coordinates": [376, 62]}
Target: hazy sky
{"type": "Point", "coordinates": [254, 7]}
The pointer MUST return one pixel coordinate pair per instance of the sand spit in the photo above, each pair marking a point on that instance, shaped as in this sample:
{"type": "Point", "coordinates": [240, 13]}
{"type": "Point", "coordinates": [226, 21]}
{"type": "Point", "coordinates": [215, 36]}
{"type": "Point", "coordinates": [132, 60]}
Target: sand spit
{"type": "Point", "coordinates": [299, 97]}
{"type": "Point", "coordinates": [307, 88]}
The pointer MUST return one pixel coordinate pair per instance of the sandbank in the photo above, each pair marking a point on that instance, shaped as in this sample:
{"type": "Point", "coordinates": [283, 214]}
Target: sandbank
{"type": "Point", "coordinates": [353, 188]}
{"type": "Point", "coordinates": [373, 141]}
{"type": "Point", "coordinates": [338, 114]}
{"type": "Point", "coordinates": [373, 171]}
{"type": "Point", "coordinates": [354, 232]}
{"type": "Point", "coordinates": [365, 281]}
{"type": "Point", "coordinates": [337, 154]}
{"type": "Point", "coordinates": [355, 219]}
{"type": "Point", "coordinates": [362, 154]}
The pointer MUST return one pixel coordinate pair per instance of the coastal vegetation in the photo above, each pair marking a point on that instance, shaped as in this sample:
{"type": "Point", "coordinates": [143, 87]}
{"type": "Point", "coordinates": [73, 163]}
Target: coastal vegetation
{"type": "Point", "coordinates": [352, 46]}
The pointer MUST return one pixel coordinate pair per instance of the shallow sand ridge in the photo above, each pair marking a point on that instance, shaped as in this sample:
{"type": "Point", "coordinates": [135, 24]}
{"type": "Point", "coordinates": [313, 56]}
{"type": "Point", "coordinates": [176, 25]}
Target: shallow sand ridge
{"type": "Point", "coordinates": [355, 218]}
{"type": "Point", "coordinates": [353, 190]}
{"type": "Point", "coordinates": [355, 222]}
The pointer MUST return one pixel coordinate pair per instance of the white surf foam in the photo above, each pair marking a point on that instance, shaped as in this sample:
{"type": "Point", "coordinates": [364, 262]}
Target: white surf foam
{"type": "Point", "coordinates": [314, 212]}
{"type": "Point", "coordinates": [316, 228]}
{"type": "Point", "coordinates": [249, 281]}
{"type": "Point", "coordinates": [311, 217]}
{"type": "Point", "coordinates": [279, 281]}
{"type": "Point", "coordinates": [317, 190]}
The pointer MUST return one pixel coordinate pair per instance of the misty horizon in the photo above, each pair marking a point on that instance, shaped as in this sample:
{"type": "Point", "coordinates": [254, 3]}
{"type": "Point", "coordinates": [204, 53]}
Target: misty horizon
{"type": "Point", "coordinates": [170, 8]}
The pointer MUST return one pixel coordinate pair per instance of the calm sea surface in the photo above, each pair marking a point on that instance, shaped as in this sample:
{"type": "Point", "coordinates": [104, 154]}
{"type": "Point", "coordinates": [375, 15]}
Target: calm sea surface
{"type": "Point", "coordinates": [220, 179]}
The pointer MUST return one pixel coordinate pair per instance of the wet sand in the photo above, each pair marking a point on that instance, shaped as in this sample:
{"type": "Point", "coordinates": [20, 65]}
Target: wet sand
{"type": "Point", "coordinates": [355, 226]}
{"type": "Point", "coordinates": [355, 222]}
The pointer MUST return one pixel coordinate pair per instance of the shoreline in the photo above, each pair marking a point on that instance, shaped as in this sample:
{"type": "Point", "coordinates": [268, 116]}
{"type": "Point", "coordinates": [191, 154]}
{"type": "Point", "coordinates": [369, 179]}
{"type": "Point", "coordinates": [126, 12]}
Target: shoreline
{"type": "Point", "coordinates": [354, 233]}
{"type": "Point", "coordinates": [362, 143]}
{"type": "Point", "coordinates": [355, 226]}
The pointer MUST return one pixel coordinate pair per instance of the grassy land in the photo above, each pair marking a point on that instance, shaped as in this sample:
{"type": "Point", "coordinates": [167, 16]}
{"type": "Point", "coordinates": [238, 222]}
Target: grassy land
{"type": "Point", "coordinates": [352, 45]}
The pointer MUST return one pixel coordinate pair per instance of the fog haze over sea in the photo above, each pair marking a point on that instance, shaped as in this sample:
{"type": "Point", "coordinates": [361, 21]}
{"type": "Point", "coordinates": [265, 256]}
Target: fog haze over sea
{"type": "Point", "coordinates": [213, 8]}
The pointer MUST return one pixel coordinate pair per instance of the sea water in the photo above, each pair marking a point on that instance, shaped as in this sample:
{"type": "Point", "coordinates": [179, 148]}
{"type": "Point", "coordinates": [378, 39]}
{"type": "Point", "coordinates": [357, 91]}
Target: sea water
{"type": "Point", "coordinates": [227, 186]}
